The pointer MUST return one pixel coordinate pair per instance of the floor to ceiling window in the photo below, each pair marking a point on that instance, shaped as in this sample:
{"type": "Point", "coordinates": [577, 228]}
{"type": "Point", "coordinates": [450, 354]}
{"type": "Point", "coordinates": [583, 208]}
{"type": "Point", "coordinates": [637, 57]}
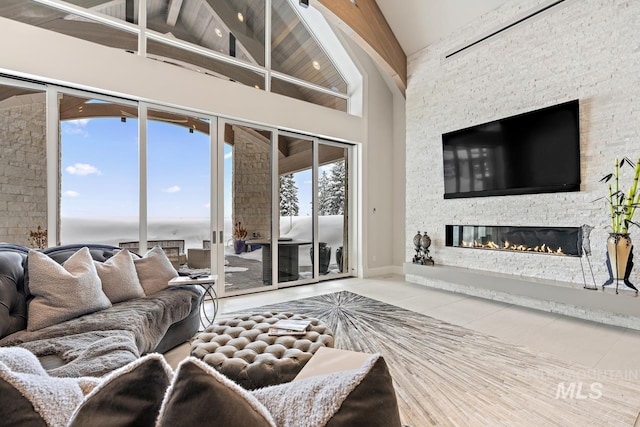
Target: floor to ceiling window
{"type": "Point", "coordinates": [263, 208]}
{"type": "Point", "coordinates": [179, 186]}
{"type": "Point", "coordinates": [99, 174]}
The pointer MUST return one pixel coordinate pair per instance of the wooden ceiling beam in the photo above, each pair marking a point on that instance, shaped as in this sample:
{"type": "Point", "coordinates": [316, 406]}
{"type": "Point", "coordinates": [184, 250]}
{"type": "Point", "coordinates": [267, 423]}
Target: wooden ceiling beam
{"type": "Point", "coordinates": [363, 21]}
{"type": "Point", "coordinates": [173, 10]}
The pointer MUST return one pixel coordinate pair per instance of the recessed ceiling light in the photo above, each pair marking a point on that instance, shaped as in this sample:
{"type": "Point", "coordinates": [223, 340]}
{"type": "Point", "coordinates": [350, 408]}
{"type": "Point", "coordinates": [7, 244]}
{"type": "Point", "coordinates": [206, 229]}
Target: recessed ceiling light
{"type": "Point", "coordinates": [240, 17]}
{"type": "Point", "coordinates": [218, 32]}
{"type": "Point", "coordinates": [256, 86]}
{"type": "Point", "coordinates": [316, 65]}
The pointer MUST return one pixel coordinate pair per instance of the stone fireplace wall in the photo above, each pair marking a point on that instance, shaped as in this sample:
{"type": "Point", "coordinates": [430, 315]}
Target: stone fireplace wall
{"type": "Point", "coordinates": [587, 50]}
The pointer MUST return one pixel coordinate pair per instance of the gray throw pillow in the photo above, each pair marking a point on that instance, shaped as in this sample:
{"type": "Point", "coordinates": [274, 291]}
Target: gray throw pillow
{"type": "Point", "coordinates": [62, 292]}
{"type": "Point", "coordinates": [199, 394]}
{"type": "Point", "coordinates": [154, 270]}
{"type": "Point", "coordinates": [119, 277]}
{"type": "Point", "coordinates": [129, 396]}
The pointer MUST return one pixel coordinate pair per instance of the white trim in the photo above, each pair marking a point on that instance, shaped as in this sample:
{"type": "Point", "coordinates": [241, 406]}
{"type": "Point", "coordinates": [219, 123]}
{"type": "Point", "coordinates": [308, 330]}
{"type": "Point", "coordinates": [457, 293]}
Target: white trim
{"type": "Point", "coordinates": [161, 38]}
{"type": "Point", "coordinates": [142, 176]}
{"type": "Point", "coordinates": [217, 205]}
{"type": "Point", "coordinates": [53, 165]}
{"type": "Point", "coordinates": [275, 209]}
{"type": "Point", "coordinates": [315, 208]}
{"type": "Point", "coordinates": [339, 55]}
{"type": "Point", "coordinates": [88, 14]}
{"type": "Point", "coordinates": [142, 23]}
{"type": "Point", "coordinates": [267, 44]}
{"type": "Point", "coordinates": [304, 83]}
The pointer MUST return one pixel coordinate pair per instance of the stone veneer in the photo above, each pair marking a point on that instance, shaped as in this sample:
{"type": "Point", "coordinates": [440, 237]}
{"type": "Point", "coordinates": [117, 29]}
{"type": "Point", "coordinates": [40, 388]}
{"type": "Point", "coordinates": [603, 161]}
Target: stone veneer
{"type": "Point", "coordinates": [587, 50]}
{"type": "Point", "coordinates": [252, 181]}
{"type": "Point", "coordinates": [23, 174]}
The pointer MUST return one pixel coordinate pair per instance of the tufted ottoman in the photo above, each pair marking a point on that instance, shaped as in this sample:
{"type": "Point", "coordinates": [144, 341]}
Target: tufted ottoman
{"type": "Point", "coordinates": [241, 348]}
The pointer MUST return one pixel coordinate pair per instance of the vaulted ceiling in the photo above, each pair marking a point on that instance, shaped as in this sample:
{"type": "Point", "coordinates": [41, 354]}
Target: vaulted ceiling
{"type": "Point", "coordinates": [419, 23]}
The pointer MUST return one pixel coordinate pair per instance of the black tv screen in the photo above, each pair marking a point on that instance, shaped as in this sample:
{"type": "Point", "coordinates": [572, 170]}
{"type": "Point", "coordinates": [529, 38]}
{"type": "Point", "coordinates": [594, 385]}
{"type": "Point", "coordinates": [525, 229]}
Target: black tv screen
{"type": "Point", "coordinates": [534, 152]}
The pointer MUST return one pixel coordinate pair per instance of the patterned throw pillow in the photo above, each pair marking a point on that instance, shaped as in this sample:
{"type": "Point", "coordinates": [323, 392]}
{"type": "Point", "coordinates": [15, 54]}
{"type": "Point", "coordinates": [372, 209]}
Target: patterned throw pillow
{"type": "Point", "coordinates": [154, 270]}
{"type": "Point", "coordinates": [62, 292]}
{"type": "Point", "coordinates": [119, 277]}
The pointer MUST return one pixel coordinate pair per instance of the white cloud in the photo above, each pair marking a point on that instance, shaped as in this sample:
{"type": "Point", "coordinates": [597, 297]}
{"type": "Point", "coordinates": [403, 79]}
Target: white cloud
{"type": "Point", "coordinates": [228, 155]}
{"type": "Point", "coordinates": [75, 127]}
{"type": "Point", "coordinates": [83, 169]}
{"type": "Point", "coordinates": [71, 193]}
{"type": "Point", "coordinates": [173, 189]}
{"type": "Point", "coordinates": [207, 205]}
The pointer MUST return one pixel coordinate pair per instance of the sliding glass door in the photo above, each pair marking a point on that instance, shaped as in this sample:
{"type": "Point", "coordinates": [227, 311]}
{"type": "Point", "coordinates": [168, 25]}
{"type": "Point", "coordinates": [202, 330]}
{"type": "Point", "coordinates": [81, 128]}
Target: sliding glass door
{"type": "Point", "coordinates": [286, 202]}
{"type": "Point", "coordinates": [179, 188]}
{"type": "Point", "coordinates": [333, 209]}
{"type": "Point", "coordinates": [260, 207]}
{"type": "Point", "coordinates": [246, 199]}
{"type": "Point", "coordinates": [296, 208]}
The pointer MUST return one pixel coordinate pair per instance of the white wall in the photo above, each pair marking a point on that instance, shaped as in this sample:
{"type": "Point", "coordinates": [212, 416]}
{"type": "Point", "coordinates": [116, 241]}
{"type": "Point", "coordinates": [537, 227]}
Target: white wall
{"type": "Point", "coordinates": [35, 53]}
{"type": "Point", "coordinates": [383, 176]}
{"type": "Point", "coordinates": [587, 50]}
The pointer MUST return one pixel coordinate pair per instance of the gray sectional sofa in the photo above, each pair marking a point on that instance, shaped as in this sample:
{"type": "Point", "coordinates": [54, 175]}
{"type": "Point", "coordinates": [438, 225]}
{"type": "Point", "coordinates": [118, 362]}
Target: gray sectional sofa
{"type": "Point", "coordinates": [97, 342]}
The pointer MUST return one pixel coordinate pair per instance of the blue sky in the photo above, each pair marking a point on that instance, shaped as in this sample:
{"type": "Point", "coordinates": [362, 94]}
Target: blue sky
{"type": "Point", "coordinates": [100, 170]}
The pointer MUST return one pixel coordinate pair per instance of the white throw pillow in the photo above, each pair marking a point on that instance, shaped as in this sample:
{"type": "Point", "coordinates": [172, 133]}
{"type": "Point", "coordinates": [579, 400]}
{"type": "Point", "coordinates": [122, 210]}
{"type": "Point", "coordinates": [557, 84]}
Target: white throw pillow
{"type": "Point", "coordinates": [119, 277]}
{"type": "Point", "coordinates": [154, 270]}
{"type": "Point", "coordinates": [62, 292]}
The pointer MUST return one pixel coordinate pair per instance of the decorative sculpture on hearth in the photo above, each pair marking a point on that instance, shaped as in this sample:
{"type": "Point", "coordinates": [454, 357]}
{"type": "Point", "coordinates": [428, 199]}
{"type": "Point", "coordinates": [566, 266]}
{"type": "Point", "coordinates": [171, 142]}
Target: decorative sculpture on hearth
{"type": "Point", "coordinates": [421, 243]}
{"type": "Point", "coordinates": [584, 248]}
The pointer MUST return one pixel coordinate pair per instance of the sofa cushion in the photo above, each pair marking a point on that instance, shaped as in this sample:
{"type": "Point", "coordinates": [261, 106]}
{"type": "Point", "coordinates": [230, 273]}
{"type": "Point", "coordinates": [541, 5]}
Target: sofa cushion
{"type": "Point", "coordinates": [13, 299]}
{"type": "Point", "coordinates": [62, 292]}
{"type": "Point", "coordinates": [198, 392]}
{"type": "Point", "coordinates": [154, 270]}
{"type": "Point", "coordinates": [130, 396]}
{"type": "Point", "coordinates": [119, 277]}
{"type": "Point", "coordinates": [32, 398]}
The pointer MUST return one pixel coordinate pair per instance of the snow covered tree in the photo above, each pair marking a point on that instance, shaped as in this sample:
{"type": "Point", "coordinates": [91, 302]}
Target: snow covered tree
{"type": "Point", "coordinates": [324, 196]}
{"type": "Point", "coordinates": [338, 185]}
{"type": "Point", "coordinates": [288, 196]}
{"type": "Point", "coordinates": [331, 190]}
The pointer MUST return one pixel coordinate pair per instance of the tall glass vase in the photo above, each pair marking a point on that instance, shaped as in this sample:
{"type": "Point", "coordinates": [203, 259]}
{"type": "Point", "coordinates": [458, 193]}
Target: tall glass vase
{"type": "Point", "coordinates": [619, 248]}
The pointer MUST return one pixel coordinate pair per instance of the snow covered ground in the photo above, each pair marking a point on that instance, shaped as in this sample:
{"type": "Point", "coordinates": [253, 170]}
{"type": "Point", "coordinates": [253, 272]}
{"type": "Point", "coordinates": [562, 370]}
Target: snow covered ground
{"type": "Point", "coordinates": [194, 230]}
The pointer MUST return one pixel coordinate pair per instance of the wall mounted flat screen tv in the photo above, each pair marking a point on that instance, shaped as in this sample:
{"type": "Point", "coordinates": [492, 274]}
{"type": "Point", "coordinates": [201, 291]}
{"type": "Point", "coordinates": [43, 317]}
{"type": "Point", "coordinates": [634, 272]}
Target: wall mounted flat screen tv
{"type": "Point", "coordinates": [534, 152]}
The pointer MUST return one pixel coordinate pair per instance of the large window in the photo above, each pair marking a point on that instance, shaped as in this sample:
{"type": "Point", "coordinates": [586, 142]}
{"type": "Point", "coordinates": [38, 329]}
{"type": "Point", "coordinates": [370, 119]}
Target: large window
{"type": "Point", "coordinates": [99, 171]}
{"type": "Point", "coordinates": [221, 38]}
{"type": "Point", "coordinates": [259, 206]}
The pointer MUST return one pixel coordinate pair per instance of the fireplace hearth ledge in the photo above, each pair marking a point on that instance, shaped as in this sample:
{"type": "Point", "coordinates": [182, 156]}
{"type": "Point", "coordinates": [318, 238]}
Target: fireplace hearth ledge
{"type": "Point", "coordinates": [569, 299]}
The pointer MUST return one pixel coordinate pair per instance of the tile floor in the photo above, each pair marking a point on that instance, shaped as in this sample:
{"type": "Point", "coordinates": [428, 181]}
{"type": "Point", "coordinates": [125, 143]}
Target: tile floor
{"type": "Point", "coordinates": [589, 344]}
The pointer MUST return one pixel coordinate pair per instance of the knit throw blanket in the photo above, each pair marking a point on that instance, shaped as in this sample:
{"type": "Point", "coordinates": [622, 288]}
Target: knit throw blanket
{"type": "Point", "coordinates": [97, 343]}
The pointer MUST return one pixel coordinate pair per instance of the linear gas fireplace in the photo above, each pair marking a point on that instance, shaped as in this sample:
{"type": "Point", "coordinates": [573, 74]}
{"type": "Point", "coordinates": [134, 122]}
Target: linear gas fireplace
{"type": "Point", "coordinates": [546, 240]}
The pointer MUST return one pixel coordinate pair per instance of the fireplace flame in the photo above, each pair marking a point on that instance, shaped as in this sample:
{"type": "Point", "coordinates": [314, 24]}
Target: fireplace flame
{"type": "Point", "coordinates": [507, 246]}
